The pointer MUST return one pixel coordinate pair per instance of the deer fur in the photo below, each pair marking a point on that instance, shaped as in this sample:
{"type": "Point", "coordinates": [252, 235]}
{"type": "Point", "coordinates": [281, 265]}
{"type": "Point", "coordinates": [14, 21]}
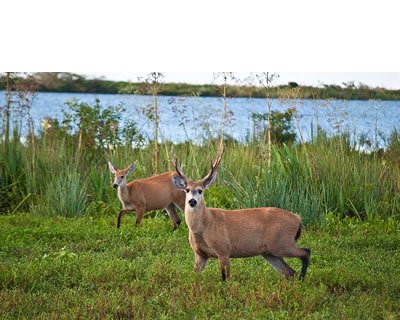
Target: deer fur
{"type": "Point", "coordinates": [154, 193]}
{"type": "Point", "coordinates": [224, 234]}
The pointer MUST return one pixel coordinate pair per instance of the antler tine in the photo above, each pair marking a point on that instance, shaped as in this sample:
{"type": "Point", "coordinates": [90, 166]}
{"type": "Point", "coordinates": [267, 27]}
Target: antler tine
{"type": "Point", "coordinates": [175, 163]}
{"type": "Point", "coordinates": [215, 165]}
{"type": "Point", "coordinates": [219, 157]}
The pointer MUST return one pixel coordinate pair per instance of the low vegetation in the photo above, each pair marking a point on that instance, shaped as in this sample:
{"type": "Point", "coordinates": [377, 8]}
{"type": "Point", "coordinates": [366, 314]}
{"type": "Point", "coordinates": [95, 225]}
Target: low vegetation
{"type": "Point", "coordinates": [87, 268]}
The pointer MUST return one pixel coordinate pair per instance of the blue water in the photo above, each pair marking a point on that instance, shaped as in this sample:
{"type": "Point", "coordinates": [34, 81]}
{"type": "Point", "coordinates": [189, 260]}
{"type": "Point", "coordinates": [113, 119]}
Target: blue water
{"type": "Point", "coordinates": [202, 115]}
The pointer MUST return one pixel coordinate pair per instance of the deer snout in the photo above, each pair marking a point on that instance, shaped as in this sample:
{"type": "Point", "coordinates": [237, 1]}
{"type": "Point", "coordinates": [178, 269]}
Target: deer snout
{"type": "Point", "coordinates": [192, 202]}
{"type": "Point", "coordinates": [115, 186]}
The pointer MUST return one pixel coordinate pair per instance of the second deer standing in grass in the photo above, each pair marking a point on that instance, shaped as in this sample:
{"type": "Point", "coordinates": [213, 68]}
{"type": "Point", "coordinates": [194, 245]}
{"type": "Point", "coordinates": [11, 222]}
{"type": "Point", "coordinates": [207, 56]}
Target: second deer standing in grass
{"type": "Point", "coordinates": [224, 234]}
{"type": "Point", "coordinates": [154, 193]}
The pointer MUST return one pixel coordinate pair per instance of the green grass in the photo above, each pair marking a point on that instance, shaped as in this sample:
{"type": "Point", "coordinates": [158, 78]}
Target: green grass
{"type": "Point", "coordinates": [326, 175]}
{"type": "Point", "coordinates": [55, 267]}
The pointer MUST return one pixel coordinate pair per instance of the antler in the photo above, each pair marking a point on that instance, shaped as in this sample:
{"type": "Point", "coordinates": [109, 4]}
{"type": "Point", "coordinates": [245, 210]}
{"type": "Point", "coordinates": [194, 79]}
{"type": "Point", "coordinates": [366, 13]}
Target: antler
{"type": "Point", "coordinates": [177, 169]}
{"type": "Point", "coordinates": [214, 166]}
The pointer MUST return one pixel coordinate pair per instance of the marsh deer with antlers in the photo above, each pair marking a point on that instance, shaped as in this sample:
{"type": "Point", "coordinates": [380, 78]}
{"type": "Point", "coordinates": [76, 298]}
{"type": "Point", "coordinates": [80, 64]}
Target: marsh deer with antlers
{"type": "Point", "coordinates": [154, 193]}
{"type": "Point", "coordinates": [224, 234]}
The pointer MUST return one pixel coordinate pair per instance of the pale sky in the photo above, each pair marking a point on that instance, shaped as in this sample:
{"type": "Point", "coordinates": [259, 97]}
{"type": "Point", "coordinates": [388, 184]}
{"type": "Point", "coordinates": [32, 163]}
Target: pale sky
{"type": "Point", "coordinates": [312, 35]}
{"type": "Point", "coordinates": [389, 80]}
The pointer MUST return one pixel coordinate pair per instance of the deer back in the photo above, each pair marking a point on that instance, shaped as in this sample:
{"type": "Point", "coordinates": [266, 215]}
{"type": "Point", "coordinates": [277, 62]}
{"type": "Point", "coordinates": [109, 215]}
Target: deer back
{"type": "Point", "coordinates": [250, 232]}
{"type": "Point", "coordinates": [156, 192]}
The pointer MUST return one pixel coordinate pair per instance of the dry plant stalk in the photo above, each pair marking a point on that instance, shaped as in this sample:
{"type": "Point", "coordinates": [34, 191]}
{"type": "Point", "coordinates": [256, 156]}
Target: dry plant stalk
{"type": "Point", "coordinates": [265, 79]}
{"type": "Point", "coordinates": [154, 92]}
{"type": "Point", "coordinates": [290, 97]}
{"type": "Point", "coordinates": [222, 89]}
{"type": "Point", "coordinates": [26, 92]}
{"type": "Point", "coordinates": [152, 83]}
{"type": "Point", "coordinates": [7, 110]}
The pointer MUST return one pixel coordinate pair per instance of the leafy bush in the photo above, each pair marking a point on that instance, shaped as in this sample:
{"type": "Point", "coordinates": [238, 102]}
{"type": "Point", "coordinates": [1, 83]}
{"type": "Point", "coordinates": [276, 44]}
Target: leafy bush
{"type": "Point", "coordinates": [219, 197]}
{"type": "Point", "coordinates": [282, 130]}
{"type": "Point", "coordinates": [97, 126]}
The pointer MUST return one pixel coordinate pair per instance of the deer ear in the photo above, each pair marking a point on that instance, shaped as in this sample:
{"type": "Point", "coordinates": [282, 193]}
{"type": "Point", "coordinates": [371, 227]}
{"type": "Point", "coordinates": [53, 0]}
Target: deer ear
{"type": "Point", "coordinates": [208, 184]}
{"type": "Point", "coordinates": [178, 182]}
{"type": "Point", "coordinates": [131, 168]}
{"type": "Point", "coordinates": [113, 169]}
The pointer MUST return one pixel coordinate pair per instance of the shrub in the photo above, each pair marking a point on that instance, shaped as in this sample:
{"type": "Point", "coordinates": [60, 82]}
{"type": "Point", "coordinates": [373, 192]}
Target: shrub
{"type": "Point", "coordinates": [282, 130]}
{"type": "Point", "coordinates": [98, 126]}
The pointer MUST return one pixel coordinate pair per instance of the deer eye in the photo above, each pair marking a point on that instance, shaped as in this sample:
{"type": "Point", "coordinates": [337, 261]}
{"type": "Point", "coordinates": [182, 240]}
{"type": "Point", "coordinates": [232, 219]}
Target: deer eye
{"type": "Point", "coordinates": [187, 190]}
{"type": "Point", "coordinates": [200, 191]}
{"type": "Point", "coordinates": [122, 177]}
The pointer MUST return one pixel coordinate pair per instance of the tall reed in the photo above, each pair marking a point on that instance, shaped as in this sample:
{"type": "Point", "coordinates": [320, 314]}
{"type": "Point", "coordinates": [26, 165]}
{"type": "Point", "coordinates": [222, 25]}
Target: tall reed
{"type": "Point", "coordinates": [328, 176]}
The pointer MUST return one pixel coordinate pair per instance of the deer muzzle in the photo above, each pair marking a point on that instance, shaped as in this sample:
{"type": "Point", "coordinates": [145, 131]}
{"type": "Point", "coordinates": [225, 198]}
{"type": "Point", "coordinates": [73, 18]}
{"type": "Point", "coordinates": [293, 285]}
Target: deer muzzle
{"type": "Point", "coordinates": [192, 202]}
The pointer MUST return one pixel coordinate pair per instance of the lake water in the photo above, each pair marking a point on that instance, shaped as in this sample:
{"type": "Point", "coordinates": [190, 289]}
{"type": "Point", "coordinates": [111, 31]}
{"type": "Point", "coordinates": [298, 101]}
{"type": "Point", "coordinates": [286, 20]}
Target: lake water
{"type": "Point", "coordinates": [202, 115]}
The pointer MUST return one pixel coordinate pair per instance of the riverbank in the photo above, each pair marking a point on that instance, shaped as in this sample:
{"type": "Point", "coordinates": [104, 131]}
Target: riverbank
{"type": "Point", "coordinates": [68, 82]}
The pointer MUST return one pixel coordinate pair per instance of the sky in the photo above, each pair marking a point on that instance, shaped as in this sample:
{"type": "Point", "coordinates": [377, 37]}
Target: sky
{"type": "Point", "coordinates": [389, 80]}
{"type": "Point", "coordinates": [353, 40]}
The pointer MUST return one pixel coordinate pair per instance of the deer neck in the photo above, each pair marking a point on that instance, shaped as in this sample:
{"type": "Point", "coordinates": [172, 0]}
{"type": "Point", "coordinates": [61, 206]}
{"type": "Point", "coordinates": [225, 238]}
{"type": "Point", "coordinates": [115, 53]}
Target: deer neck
{"type": "Point", "coordinates": [197, 218]}
{"type": "Point", "coordinates": [123, 194]}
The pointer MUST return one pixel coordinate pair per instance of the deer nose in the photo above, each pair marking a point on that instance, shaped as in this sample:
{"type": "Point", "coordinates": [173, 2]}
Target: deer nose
{"type": "Point", "coordinates": [192, 202]}
{"type": "Point", "coordinates": [115, 186]}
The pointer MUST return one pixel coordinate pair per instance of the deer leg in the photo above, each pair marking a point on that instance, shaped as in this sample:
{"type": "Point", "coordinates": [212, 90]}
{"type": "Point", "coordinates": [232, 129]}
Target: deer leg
{"type": "Point", "coordinates": [302, 253]}
{"type": "Point", "coordinates": [224, 265]}
{"type": "Point", "coordinates": [279, 265]}
{"type": "Point", "coordinates": [121, 214]}
{"type": "Point", "coordinates": [139, 215]}
{"type": "Point", "coordinates": [305, 259]}
{"type": "Point", "coordinates": [199, 262]}
{"type": "Point", "coordinates": [171, 209]}
{"type": "Point", "coordinates": [289, 272]}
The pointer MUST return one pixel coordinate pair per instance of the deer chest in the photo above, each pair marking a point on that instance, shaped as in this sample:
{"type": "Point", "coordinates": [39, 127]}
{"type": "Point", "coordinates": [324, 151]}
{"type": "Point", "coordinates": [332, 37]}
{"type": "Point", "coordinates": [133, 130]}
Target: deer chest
{"type": "Point", "coordinates": [127, 205]}
{"type": "Point", "coordinates": [200, 245]}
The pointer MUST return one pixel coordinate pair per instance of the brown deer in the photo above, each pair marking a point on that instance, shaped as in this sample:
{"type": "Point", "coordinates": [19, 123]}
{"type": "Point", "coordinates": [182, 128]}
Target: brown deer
{"type": "Point", "coordinates": [224, 234]}
{"type": "Point", "coordinates": [154, 193]}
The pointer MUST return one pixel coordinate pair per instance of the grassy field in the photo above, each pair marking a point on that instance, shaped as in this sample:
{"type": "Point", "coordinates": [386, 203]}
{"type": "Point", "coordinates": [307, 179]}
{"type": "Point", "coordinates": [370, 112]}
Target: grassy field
{"type": "Point", "coordinates": [69, 268]}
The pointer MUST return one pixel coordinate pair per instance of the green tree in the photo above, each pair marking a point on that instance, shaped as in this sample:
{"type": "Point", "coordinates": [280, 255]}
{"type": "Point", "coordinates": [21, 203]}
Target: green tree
{"type": "Point", "coordinates": [281, 126]}
{"type": "Point", "coordinates": [98, 126]}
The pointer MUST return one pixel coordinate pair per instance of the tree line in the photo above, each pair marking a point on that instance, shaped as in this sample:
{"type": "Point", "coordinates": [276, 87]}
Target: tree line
{"type": "Point", "coordinates": [72, 82]}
